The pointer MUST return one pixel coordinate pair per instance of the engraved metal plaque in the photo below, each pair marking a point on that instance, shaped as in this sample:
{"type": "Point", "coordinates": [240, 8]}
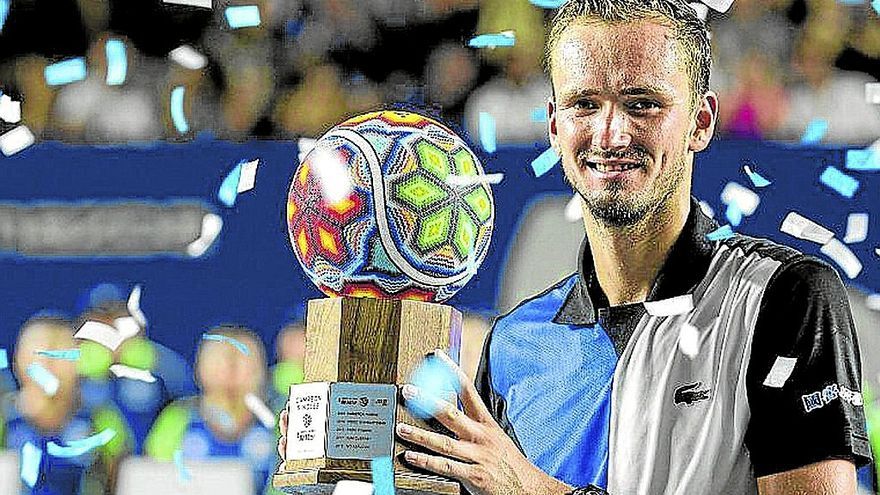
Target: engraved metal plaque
{"type": "Point", "coordinates": [361, 422]}
{"type": "Point", "coordinates": [307, 420]}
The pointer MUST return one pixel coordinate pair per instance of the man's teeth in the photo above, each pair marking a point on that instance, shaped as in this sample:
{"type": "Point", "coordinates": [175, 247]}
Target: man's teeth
{"type": "Point", "coordinates": [603, 167]}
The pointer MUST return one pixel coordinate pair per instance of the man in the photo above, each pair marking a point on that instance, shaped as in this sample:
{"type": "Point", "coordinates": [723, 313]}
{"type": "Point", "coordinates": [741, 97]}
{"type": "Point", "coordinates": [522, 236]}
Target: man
{"type": "Point", "coordinates": [670, 364]}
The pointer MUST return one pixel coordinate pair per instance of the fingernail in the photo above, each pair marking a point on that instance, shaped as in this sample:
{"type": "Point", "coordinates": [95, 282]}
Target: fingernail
{"type": "Point", "coordinates": [404, 428]}
{"type": "Point", "coordinates": [409, 392]}
{"type": "Point", "coordinates": [412, 456]}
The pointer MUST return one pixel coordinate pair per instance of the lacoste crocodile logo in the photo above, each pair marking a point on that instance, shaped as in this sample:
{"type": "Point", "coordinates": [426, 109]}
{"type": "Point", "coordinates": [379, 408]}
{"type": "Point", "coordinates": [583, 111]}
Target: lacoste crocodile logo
{"type": "Point", "coordinates": [689, 395]}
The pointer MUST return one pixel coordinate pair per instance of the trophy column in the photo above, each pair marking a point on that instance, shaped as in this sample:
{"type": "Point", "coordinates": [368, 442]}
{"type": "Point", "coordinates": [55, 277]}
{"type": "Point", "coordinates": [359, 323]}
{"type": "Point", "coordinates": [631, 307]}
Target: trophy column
{"type": "Point", "coordinates": [358, 351]}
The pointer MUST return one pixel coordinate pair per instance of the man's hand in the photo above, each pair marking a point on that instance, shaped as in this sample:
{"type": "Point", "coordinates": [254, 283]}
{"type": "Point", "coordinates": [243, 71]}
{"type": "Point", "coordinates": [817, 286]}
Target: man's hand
{"type": "Point", "coordinates": [282, 442]}
{"type": "Point", "coordinates": [483, 458]}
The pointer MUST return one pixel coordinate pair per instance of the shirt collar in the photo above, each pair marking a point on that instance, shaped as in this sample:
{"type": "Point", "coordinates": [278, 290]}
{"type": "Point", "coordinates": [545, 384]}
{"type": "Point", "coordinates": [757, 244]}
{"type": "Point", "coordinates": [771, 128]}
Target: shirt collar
{"type": "Point", "coordinates": [684, 268]}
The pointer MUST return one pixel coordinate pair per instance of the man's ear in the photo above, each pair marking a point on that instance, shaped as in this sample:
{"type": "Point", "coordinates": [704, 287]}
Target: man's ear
{"type": "Point", "coordinates": [551, 122]}
{"type": "Point", "coordinates": [705, 119]}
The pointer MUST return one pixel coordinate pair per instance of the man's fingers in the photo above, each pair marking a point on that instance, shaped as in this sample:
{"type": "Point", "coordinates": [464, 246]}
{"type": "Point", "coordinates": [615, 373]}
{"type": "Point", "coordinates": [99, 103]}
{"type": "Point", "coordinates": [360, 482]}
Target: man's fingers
{"type": "Point", "coordinates": [447, 414]}
{"type": "Point", "coordinates": [470, 399]}
{"type": "Point", "coordinates": [282, 447]}
{"type": "Point", "coordinates": [436, 442]}
{"type": "Point", "coordinates": [282, 420]}
{"type": "Point", "coordinates": [441, 465]}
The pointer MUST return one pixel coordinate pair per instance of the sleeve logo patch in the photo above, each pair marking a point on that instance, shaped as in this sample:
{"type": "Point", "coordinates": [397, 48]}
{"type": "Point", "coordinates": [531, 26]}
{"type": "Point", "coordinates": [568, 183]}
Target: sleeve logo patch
{"type": "Point", "coordinates": [820, 399]}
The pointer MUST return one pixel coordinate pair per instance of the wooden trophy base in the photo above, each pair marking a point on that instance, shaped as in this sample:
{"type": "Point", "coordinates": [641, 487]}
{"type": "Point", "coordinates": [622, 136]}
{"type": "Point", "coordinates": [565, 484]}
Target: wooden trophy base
{"type": "Point", "coordinates": [358, 352]}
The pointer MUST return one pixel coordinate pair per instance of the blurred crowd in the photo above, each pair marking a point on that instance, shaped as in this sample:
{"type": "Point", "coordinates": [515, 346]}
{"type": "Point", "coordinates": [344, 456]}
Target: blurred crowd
{"type": "Point", "coordinates": [310, 63]}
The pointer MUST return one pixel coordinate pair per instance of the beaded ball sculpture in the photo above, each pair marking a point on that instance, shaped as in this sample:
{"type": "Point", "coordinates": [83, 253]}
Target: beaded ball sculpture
{"type": "Point", "coordinates": [390, 204]}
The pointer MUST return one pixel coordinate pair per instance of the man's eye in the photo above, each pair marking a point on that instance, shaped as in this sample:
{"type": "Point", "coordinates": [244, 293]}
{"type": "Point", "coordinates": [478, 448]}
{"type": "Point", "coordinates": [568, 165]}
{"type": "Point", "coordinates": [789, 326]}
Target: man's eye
{"type": "Point", "coordinates": [584, 105]}
{"type": "Point", "coordinates": [643, 105]}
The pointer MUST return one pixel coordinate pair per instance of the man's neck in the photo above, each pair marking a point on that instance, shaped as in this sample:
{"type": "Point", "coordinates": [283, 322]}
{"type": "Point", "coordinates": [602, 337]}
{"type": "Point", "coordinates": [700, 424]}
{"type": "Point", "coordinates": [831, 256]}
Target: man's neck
{"type": "Point", "coordinates": [627, 260]}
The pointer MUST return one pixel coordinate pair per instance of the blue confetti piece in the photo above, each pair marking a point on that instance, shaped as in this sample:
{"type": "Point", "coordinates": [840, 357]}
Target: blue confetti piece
{"type": "Point", "coordinates": [876, 5]}
{"type": "Point", "coordinates": [487, 132]}
{"type": "Point", "coordinates": [66, 354]}
{"type": "Point", "coordinates": [434, 379]}
{"type": "Point", "coordinates": [31, 457]}
{"type": "Point", "coordinates": [734, 215]}
{"type": "Point", "coordinates": [4, 12]}
{"type": "Point", "coordinates": [65, 72]}
{"type": "Point", "coordinates": [545, 162]}
{"type": "Point", "coordinates": [548, 4]}
{"type": "Point", "coordinates": [117, 62]}
{"type": "Point", "coordinates": [720, 233]}
{"type": "Point", "coordinates": [492, 40]}
{"type": "Point", "coordinates": [4, 359]}
{"type": "Point", "coordinates": [539, 115]}
{"type": "Point", "coordinates": [839, 181]}
{"type": "Point", "coordinates": [76, 448]}
{"type": "Point", "coordinates": [815, 131]}
{"type": "Point", "coordinates": [757, 179]}
{"type": "Point", "coordinates": [383, 476]}
{"type": "Point", "coordinates": [862, 160]}
{"type": "Point", "coordinates": [44, 378]}
{"type": "Point", "coordinates": [242, 16]}
{"type": "Point", "coordinates": [229, 188]}
{"type": "Point", "coordinates": [182, 472]}
{"type": "Point", "coordinates": [228, 340]}
{"type": "Point", "coordinates": [177, 114]}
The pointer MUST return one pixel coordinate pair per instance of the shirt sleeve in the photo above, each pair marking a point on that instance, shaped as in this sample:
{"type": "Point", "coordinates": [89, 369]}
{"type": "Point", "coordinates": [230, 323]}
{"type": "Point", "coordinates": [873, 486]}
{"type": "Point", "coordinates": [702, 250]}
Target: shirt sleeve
{"type": "Point", "coordinates": [804, 377]}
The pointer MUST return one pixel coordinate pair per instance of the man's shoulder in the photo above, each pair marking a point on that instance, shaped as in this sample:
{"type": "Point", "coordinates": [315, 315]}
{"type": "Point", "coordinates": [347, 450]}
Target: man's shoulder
{"type": "Point", "coordinates": [541, 307]}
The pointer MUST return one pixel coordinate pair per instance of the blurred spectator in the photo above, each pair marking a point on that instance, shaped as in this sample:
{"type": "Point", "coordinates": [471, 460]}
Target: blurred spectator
{"type": "Point", "coordinates": [290, 353]}
{"type": "Point", "coordinates": [217, 423]}
{"type": "Point", "coordinates": [33, 415]}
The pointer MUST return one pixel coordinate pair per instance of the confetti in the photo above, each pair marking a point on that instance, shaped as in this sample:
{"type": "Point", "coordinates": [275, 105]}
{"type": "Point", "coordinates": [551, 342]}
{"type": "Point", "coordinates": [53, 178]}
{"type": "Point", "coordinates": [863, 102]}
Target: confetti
{"type": "Point", "coordinates": [65, 72]}
{"type": "Point", "coordinates": [4, 359]}
{"type": "Point", "coordinates": [216, 337]}
{"type": "Point", "coordinates": [539, 115]}
{"type": "Point", "coordinates": [493, 40]}
{"type": "Point", "coordinates": [839, 181]}
{"type": "Point", "coordinates": [188, 57]}
{"type": "Point", "coordinates": [873, 302]}
{"type": "Point", "coordinates": [433, 379]}
{"type": "Point", "coordinates": [333, 176]}
{"type": "Point", "coordinates": [248, 176]}
{"type": "Point", "coordinates": [472, 180]}
{"type": "Point", "coordinates": [123, 371]}
{"type": "Point", "coordinates": [31, 457]}
{"type": "Point", "coordinates": [194, 3]}
{"type": "Point", "coordinates": [305, 146]}
{"type": "Point", "coordinates": [721, 233]}
{"type": "Point", "coordinates": [241, 16]}
{"type": "Point", "coordinates": [689, 340]}
{"type": "Point", "coordinates": [707, 210]}
{"type": "Point", "coordinates": [117, 62]}
{"type": "Point", "coordinates": [734, 215]}
{"type": "Point", "coordinates": [719, 5]}
{"type": "Point", "coordinates": [101, 333]}
{"type": "Point", "coordinates": [4, 12]}
{"type": "Point", "coordinates": [780, 372]}
{"type": "Point", "coordinates": [211, 226]}
{"type": "Point", "coordinates": [44, 378]}
{"type": "Point", "coordinates": [127, 326]}
{"type": "Point", "coordinates": [755, 177]}
{"type": "Point", "coordinates": [867, 159]}
{"type": "Point", "coordinates": [383, 475]}
{"type": "Point", "coordinates": [872, 93]}
{"type": "Point", "coordinates": [876, 5]}
{"type": "Point", "coordinates": [177, 115]}
{"type": "Point", "coordinates": [16, 140]}
{"type": "Point", "coordinates": [229, 187]}
{"type": "Point", "coordinates": [79, 447]}
{"type": "Point", "coordinates": [701, 9]}
{"type": "Point", "coordinates": [351, 487]}
{"type": "Point", "coordinates": [64, 355]}
{"type": "Point", "coordinates": [670, 307]}
{"type": "Point", "coordinates": [815, 131]}
{"type": "Point", "coordinates": [801, 227]}
{"type": "Point", "coordinates": [574, 209]}
{"type": "Point", "coordinates": [856, 228]}
{"type": "Point", "coordinates": [183, 473]}
{"type": "Point", "coordinates": [10, 110]}
{"type": "Point", "coordinates": [260, 410]}
{"type": "Point", "coordinates": [843, 256]}
{"type": "Point", "coordinates": [134, 306]}
{"type": "Point", "coordinates": [545, 162]}
{"type": "Point", "coordinates": [744, 198]}
{"type": "Point", "coordinates": [548, 4]}
{"type": "Point", "coordinates": [487, 132]}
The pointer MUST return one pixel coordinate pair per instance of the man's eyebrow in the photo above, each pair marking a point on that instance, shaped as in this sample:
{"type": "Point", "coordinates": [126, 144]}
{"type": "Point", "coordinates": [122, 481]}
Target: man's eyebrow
{"type": "Point", "coordinates": [645, 90]}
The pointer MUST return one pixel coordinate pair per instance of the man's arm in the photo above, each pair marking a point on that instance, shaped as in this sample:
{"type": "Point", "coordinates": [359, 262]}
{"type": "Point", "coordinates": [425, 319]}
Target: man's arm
{"type": "Point", "coordinates": [822, 478]}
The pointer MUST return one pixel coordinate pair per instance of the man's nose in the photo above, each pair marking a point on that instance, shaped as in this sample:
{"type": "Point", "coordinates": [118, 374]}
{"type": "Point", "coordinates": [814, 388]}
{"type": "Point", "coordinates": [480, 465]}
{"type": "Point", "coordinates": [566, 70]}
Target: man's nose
{"type": "Point", "coordinates": [613, 130]}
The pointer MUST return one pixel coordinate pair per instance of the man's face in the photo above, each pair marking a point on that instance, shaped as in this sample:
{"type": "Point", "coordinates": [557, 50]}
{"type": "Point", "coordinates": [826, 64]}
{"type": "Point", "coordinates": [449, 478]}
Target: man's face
{"type": "Point", "coordinates": [622, 119]}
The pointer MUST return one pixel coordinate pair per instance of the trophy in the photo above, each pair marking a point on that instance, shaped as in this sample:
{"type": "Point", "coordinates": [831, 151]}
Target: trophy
{"type": "Point", "coordinates": [389, 215]}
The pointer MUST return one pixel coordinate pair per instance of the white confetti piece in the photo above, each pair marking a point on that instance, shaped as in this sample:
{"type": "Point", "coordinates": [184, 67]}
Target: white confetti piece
{"type": "Point", "coordinates": [117, 62]}
{"type": "Point", "coordinates": [780, 372]}
{"type": "Point", "coordinates": [44, 378]}
{"type": "Point", "coordinates": [260, 410]}
{"type": "Point", "coordinates": [670, 307]}
{"type": "Point", "coordinates": [702, 10]}
{"type": "Point", "coordinates": [134, 306]}
{"type": "Point", "coordinates": [332, 173]}
{"type": "Point", "coordinates": [872, 93]}
{"type": "Point", "coordinates": [193, 3]}
{"type": "Point", "coordinates": [305, 146]}
{"type": "Point", "coordinates": [801, 227]}
{"type": "Point", "coordinates": [31, 457]}
{"type": "Point", "coordinates": [248, 176]}
{"type": "Point", "coordinates": [10, 110]}
{"type": "Point", "coordinates": [574, 209]}
{"type": "Point", "coordinates": [707, 210]}
{"type": "Point", "coordinates": [744, 198]}
{"type": "Point", "coordinates": [689, 340]}
{"type": "Point", "coordinates": [719, 5]}
{"type": "Point", "coordinates": [128, 326]}
{"type": "Point", "coordinates": [16, 140]}
{"type": "Point", "coordinates": [101, 333]}
{"type": "Point", "coordinates": [123, 371]}
{"type": "Point", "coordinates": [843, 256]}
{"type": "Point", "coordinates": [873, 302]}
{"type": "Point", "coordinates": [188, 57]}
{"type": "Point", "coordinates": [856, 228]}
{"type": "Point", "coordinates": [464, 181]}
{"type": "Point", "coordinates": [351, 487]}
{"type": "Point", "coordinates": [211, 226]}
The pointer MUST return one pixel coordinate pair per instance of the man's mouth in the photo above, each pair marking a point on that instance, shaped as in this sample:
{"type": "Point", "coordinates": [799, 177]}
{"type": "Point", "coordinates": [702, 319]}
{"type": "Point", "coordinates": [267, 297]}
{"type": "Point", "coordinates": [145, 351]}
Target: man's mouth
{"type": "Point", "coordinates": [612, 166]}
